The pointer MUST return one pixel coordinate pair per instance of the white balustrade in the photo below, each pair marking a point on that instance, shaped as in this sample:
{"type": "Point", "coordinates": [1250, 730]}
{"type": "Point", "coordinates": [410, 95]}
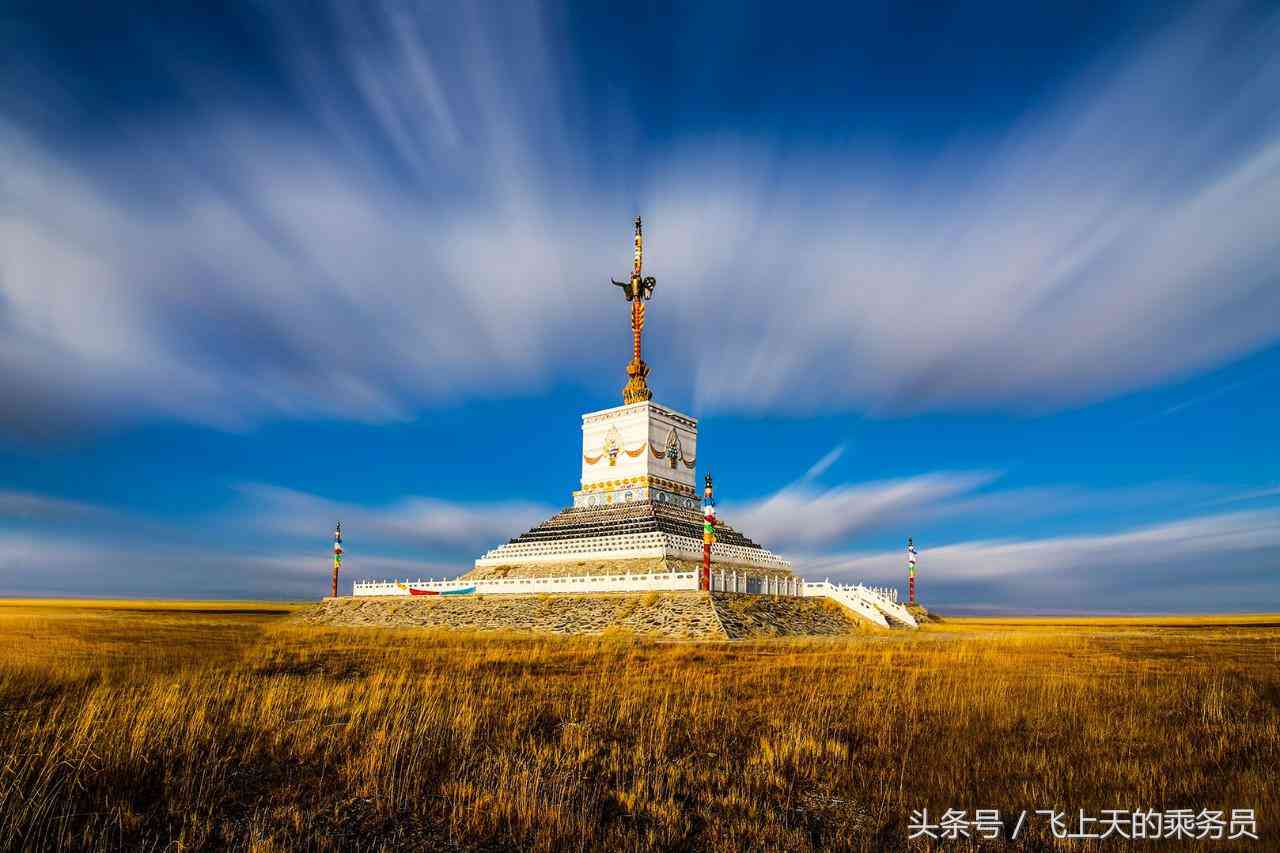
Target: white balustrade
{"type": "Point", "coordinates": [873, 603]}
{"type": "Point", "coordinates": [732, 581]}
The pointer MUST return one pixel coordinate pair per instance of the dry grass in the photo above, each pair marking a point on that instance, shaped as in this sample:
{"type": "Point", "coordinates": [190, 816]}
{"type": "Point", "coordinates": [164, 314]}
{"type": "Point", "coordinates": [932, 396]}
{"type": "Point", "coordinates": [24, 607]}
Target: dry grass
{"type": "Point", "coordinates": [124, 725]}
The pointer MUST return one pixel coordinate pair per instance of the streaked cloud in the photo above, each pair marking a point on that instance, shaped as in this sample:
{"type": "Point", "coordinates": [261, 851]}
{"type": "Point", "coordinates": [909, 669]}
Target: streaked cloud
{"type": "Point", "coordinates": [445, 236]}
{"type": "Point", "coordinates": [29, 506]}
{"type": "Point", "coordinates": [1226, 561]}
{"type": "Point", "coordinates": [1251, 495]}
{"type": "Point", "coordinates": [1213, 561]}
{"type": "Point", "coordinates": [58, 565]}
{"type": "Point", "coordinates": [824, 464]}
{"type": "Point", "coordinates": [413, 521]}
{"type": "Point", "coordinates": [802, 515]}
{"type": "Point", "coordinates": [272, 543]}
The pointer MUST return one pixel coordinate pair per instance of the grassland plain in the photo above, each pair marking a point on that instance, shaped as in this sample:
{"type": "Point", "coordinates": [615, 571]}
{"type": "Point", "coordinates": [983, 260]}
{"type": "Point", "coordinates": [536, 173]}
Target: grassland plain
{"type": "Point", "coordinates": [156, 725]}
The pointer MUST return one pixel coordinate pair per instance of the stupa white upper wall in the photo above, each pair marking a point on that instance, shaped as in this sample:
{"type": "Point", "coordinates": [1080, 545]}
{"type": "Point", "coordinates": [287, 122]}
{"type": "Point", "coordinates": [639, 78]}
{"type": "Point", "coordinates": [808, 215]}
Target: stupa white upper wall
{"type": "Point", "coordinates": [636, 451]}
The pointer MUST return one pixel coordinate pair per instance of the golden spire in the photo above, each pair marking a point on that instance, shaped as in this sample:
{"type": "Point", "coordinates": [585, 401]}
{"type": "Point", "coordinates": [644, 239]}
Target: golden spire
{"type": "Point", "coordinates": [638, 290]}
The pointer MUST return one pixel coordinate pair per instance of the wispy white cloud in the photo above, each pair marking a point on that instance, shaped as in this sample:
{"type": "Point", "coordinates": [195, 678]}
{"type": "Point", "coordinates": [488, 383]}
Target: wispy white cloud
{"type": "Point", "coordinates": [41, 564]}
{"type": "Point", "coordinates": [30, 506]}
{"type": "Point", "coordinates": [1250, 495]}
{"type": "Point", "coordinates": [442, 238]}
{"type": "Point", "coordinates": [820, 467]}
{"type": "Point", "coordinates": [1214, 561]}
{"type": "Point", "coordinates": [1210, 561]}
{"type": "Point", "coordinates": [273, 543]}
{"type": "Point", "coordinates": [805, 519]}
{"type": "Point", "coordinates": [413, 521]}
{"type": "Point", "coordinates": [802, 515]}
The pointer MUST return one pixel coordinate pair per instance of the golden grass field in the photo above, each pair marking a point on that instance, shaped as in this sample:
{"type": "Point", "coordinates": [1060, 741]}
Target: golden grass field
{"type": "Point", "coordinates": [162, 725]}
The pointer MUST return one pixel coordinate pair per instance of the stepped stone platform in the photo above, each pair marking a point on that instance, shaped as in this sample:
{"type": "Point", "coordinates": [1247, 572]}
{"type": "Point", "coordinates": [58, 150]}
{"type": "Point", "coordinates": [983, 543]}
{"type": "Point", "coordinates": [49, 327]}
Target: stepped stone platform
{"type": "Point", "coordinates": [673, 615]}
{"type": "Point", "coordinates": [636, 536]}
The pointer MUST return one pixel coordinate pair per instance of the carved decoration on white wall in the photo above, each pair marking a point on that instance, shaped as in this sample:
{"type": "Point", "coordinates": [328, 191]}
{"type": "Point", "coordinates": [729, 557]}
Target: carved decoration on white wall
{"type": "Point", "coordinates": [611, 448]}
{"type": "Point", "coordinates": [672, 451]}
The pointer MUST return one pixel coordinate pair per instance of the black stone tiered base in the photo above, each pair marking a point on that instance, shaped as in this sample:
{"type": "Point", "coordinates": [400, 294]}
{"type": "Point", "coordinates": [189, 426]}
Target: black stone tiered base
{"type": "Point", "coordinates": [582, 524]}
{"type": "Point", "coordinates": [633, 517]}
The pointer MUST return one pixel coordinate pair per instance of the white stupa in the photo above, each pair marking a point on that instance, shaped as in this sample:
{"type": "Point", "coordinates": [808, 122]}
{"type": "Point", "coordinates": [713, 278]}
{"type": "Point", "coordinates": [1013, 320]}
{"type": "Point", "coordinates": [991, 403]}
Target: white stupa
{"type": "Point", "coordinates": [638, 508]}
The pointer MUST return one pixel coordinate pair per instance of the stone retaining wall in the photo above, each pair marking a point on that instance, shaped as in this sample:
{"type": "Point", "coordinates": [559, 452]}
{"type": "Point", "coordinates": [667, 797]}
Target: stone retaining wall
{"type": "Point", "coordinates": [679, 615]}
{"type": "Point", "coordinates": [752, 616]}
{"type": "Point", "coordinates": [676, 615]}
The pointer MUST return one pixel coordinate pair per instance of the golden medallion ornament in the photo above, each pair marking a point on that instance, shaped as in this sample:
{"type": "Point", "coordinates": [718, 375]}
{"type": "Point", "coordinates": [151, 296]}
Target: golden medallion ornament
{"type": "Point", "coordinates": [638, 291]}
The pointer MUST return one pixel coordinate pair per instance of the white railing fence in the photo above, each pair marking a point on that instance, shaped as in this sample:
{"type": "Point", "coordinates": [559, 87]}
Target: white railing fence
{"type": "Point", "coordinates": [864, 600]}
{"type": "Point", "coordinates": [850, 597]}
{"type": "Point", "coordinates": [735, 581]}
{"type": "Point", "coordinates": [721, 581]}
{"type": "Point", "coordinates": [873, 603]}
{"type": "Point", "coordinates": [888, 592]}
{"type": "Point", "coordinates": [495, 586]}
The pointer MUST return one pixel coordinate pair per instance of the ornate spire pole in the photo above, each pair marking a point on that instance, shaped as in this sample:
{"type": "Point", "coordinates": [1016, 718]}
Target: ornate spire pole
{"type": "Point", "coordinates": [911, 572]}
{"type": "Point", "coordinates": [638, 290]}
{"type": "Point", "coordinates": [337, 556]}
{"type": "Point", "coordinates": [708, 534]}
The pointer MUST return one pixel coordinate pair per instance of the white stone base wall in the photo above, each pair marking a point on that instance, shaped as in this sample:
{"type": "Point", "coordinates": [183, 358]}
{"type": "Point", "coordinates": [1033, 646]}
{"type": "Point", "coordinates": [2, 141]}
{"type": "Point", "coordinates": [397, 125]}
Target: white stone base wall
{"type": "Point", "coordinates": [721, 581]}
{"type": "Point", "coordinates": [499, 586]}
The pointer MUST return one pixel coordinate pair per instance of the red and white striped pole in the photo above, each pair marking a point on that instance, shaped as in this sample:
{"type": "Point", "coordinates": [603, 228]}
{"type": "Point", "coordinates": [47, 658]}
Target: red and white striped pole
{"type": "Point", "coordinates": [708, 534]}
{"type": "Point", "coordinates": [337, 556]}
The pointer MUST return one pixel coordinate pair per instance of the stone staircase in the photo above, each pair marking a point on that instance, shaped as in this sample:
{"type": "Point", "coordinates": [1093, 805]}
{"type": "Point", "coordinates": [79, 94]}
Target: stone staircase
{"type": "Point", "coordinates": [865, 602]}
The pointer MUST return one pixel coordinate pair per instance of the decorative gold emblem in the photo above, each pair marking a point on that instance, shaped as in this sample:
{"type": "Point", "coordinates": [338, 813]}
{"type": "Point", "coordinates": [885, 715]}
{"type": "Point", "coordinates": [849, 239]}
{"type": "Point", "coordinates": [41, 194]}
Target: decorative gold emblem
{"type": "Point", "coordinates": [672, 451]}
{"type": "Point", "coordinates": [612, 447]}
{"type": "Point", "coordinates": [638, 291]}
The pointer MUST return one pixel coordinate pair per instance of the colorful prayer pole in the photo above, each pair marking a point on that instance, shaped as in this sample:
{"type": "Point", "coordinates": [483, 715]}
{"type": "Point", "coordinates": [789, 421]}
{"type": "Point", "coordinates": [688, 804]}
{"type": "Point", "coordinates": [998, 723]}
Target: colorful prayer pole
{"type": "Point", "coordinates": [337, 556]}
{"type": "Point", "coordinates": [911, 572]}
{"type": "Point", "coordinates": [708, 534]}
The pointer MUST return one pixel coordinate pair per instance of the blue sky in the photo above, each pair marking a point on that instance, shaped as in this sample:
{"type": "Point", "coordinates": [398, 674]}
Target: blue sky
{"type": "Point", "coordinates": [1001, 278]}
